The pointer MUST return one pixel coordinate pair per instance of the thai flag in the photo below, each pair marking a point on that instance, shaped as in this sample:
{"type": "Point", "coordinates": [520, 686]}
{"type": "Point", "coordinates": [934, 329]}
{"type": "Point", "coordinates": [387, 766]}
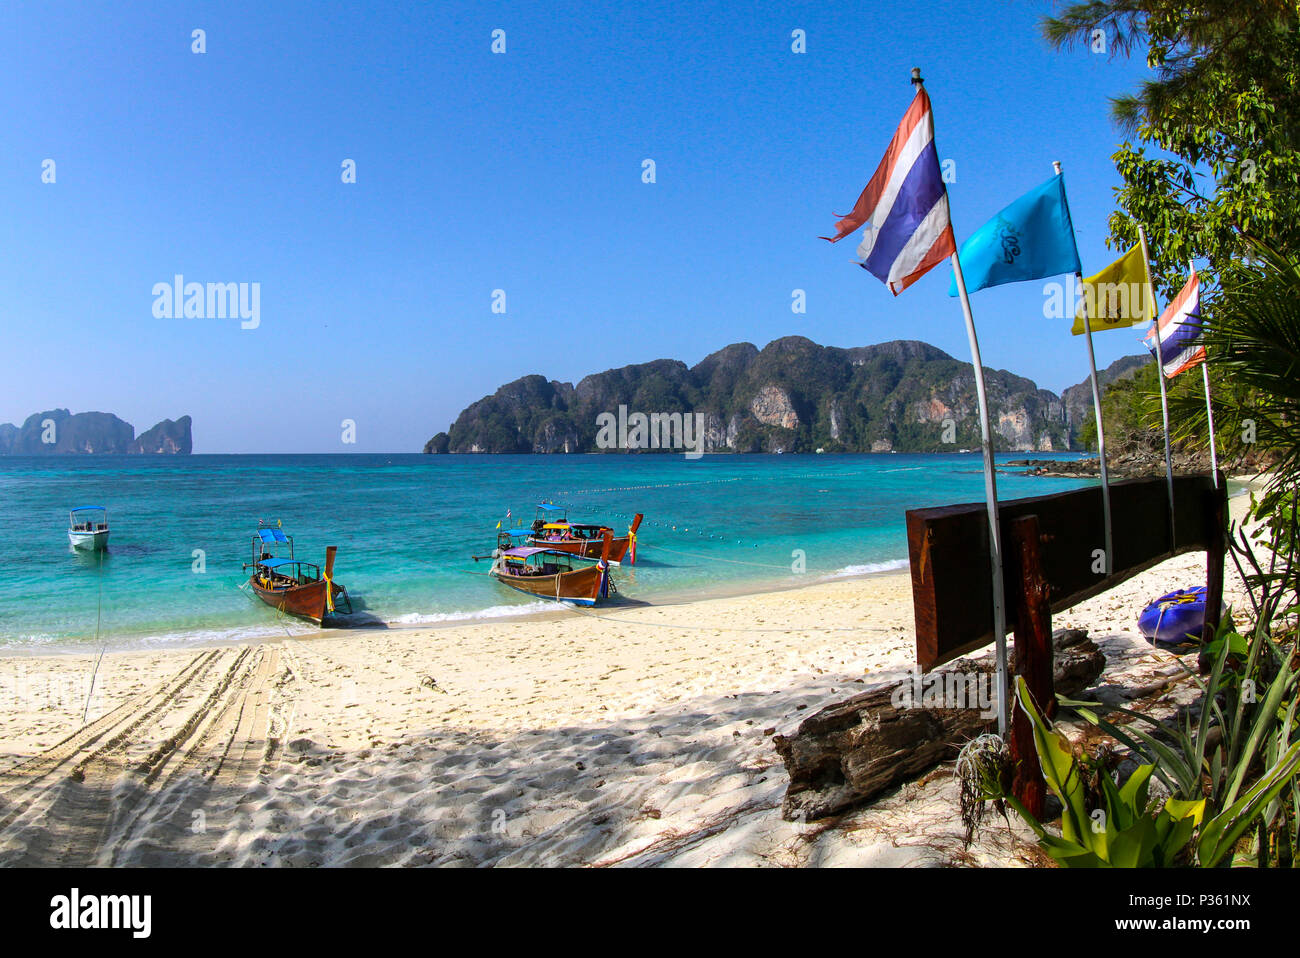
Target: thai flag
{"type": "Point", "coordinates": [1180, 329]}
{"type": "Point", "coordinates": [904, 207]}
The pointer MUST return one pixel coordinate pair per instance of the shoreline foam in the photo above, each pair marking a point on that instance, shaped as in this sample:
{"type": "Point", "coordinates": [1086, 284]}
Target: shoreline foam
{"type": "Point", "coordinates": [528, 611]}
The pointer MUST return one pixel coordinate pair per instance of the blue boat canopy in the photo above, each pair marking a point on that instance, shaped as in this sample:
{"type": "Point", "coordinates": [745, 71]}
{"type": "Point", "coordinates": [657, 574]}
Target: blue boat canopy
{"type": "Point", "coordinates": [550, 507]}
{"type": "Point", "coordinates": [90, 509]}
{"type": "Point", "coordinates": [277, 563]}
{"type": "Point", "coordinates": [518, 532]}
{"type": "Point", "coordinates": [272, 535]}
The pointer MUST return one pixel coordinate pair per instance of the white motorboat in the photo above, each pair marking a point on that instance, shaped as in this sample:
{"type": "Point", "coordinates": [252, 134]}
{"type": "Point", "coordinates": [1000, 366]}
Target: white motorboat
{"type": "Point", "coordinates": [88, 528]}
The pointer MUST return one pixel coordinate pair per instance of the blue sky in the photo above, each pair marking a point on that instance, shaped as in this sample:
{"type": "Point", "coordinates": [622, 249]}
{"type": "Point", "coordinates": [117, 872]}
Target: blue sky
{"type": "Point", "coordinates": [479, 171]}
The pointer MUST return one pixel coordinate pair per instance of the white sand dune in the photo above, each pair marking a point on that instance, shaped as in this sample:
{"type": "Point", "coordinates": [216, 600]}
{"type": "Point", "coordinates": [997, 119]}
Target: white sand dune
{"type": "Point", "coordinates": [640, 737]}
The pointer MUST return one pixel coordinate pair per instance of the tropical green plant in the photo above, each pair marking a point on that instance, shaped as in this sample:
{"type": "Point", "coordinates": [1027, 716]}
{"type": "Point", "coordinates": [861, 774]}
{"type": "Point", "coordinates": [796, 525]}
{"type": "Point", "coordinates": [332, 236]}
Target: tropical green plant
{"type": "Point", "coordinates": [1253, 339]}
{"type": "Point", "coordinates": [1121, 830]}
{"type": "Point", "coordinates": [1208, 755]}
{"type": "Point", "coordinates": [1221, 118]}
{"type": "Point", "coordinates": [982, 769]}
{"type": "Point", "coordinates": [1239, 754]}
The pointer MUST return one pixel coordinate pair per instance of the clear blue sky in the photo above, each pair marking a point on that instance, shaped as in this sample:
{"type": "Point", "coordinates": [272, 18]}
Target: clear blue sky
{"type": "Point", "coordinates": [478, 171]}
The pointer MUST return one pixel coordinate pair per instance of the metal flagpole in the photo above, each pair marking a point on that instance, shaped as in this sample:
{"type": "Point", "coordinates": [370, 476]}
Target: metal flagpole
{"type": "Point", "coordinates": [1096, 403]}
{"type": "Point", "coordinates": [1164, 396]}
{"type": "Point", "coordinates": [991, 495]}
{"type": "Point", "coordinates": [1209, 407]}
{"type": "Point", "coordinates": [1209, 415]}
{"type": "Point", "coordinates": [1164, 409]}
{"type": "Point", "coordinates": [1101, 432]}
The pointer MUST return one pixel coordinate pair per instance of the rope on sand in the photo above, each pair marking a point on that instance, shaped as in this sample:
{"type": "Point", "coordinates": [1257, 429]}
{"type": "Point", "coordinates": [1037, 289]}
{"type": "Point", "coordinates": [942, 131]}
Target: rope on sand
{"type": "Point", "coordinates": [99, 619]}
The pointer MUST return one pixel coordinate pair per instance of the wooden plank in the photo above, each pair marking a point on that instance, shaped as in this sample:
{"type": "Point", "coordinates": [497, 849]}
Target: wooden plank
{"type": "Point", "coordinates": [952, 578]}
{"type": "Point", "coordinates": [1033, 664]}
{"type": "Point", "coordinates": [1216, 515]}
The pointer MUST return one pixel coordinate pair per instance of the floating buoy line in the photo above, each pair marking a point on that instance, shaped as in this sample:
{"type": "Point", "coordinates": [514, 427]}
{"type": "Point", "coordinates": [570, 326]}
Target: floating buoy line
{"type": "Point", "coordinates": [706, 482]}
{"type": "Point", "coordinates": [696, 555]}
{"type": "Point", "coordinates": [672, 529]}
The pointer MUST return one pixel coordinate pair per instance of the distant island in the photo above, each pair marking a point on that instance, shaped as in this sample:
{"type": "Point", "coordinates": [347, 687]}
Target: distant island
{"type": "Point", "coordinates": [59, 431]}
{"type": "Point", "coordinates": [791, 396]}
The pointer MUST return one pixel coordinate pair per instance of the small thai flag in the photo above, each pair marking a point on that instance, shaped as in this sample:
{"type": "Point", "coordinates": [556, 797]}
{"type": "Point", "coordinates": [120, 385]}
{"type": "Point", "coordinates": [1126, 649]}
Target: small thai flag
{"type": "Point", "coordinates": [904, 207]}
{"type": "Point", "coordinates": [1180, 329]}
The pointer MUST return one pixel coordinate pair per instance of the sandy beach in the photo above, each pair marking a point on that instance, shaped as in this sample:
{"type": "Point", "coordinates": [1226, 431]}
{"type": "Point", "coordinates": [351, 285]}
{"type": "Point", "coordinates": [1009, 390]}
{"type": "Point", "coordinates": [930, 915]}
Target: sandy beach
{"type": "Point", "coordinates": [639, 736]}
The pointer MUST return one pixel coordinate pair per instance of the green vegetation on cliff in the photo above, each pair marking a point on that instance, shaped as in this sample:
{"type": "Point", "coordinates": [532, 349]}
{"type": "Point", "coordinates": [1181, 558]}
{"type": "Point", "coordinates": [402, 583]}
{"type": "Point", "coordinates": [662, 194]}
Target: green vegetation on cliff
{"type": "Point", "coordinates": [792, 396]}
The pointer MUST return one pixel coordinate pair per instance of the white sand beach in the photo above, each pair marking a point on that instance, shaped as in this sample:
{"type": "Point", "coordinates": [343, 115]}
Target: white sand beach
{"type": "Point", "coordinates": [642, 736]}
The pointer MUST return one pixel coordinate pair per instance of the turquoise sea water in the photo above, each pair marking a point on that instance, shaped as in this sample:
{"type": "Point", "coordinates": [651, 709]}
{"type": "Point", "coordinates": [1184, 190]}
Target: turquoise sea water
{"type": "Point", "coordinates": [406, 526]}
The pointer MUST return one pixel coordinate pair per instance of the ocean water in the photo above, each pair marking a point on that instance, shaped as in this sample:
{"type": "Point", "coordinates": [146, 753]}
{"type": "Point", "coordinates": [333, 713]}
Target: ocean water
{"type": "Point", "coordinates": [407, 525]}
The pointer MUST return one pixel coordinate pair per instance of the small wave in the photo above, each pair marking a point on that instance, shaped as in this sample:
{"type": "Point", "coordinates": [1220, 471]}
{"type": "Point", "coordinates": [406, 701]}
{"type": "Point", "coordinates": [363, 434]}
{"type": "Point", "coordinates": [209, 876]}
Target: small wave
{"type": "Point", "coordinates": [46, 644]}
{"type": "Point", "coordinates": [244, 633]}
{"type": "Point", "coordinates": [492, 612]}
{"type": "Point", "coordinates": [849, 571]}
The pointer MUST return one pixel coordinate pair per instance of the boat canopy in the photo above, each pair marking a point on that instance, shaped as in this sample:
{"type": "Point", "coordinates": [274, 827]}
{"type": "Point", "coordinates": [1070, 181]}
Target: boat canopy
{"type": "Point", "coordinates": [550, 507]}
{"type": "Point", "coordinates": [523, 552]}
{"type": "Point", "coordinates": [90, 509]}
{"type": "Point", "coordinates": [517, 532]}
{"type": "Point", "coordinates": [277, 563]}
{"type": "Point", "coordinates": [272, 535]}
{"type": "Point", "coordinates": [556, 525]}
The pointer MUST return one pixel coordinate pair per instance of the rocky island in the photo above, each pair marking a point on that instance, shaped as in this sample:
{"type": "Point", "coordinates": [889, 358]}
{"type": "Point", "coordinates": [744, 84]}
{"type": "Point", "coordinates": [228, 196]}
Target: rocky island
{"type": "Point", "coordinates": [58, 431]}
{"type": "Point", "coordinates": [791, 396]}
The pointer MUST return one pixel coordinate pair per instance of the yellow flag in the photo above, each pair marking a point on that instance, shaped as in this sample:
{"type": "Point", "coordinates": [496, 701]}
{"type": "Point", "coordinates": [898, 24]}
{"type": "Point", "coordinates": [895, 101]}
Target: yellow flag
{"type": "Point", "coordinates": [1118, 296]}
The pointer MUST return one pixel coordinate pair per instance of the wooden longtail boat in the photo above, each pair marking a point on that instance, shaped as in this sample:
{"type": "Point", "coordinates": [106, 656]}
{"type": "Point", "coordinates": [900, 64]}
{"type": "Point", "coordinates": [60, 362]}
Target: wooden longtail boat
{"type": "Point", "coordinates": [548, 574]}
{"type": "Point", "coordinates": [293, 585]}
{"type": "Point", "coordinates": [552, 530]}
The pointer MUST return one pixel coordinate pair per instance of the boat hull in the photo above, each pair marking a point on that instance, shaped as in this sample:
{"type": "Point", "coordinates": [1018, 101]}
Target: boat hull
{"type": "Point", "coordinates": [305, 601]}
{"type": "Point", "coordinates": [90, 541]}
{"type": "Point", "coordinates": [586, 548]}
{"type": "Point", "coordinates": [578, 586]}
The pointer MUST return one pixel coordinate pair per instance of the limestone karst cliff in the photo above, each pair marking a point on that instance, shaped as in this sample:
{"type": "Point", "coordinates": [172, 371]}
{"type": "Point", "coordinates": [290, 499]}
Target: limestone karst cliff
{"type": "Point", "coordinates": [791, 396]}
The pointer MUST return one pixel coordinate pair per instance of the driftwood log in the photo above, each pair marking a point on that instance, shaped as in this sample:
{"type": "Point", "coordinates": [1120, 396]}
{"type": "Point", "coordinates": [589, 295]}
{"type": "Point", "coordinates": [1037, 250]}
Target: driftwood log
{"type": "Point", "coordinates": [847, 753]}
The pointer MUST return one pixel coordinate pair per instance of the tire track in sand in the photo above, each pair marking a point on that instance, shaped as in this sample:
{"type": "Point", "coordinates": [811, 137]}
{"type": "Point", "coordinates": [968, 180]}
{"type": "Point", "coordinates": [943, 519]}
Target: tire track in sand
{"type": "Point", "coordinates": [93, 793]}
{"type": "Point", "coordinates": [193, 792]}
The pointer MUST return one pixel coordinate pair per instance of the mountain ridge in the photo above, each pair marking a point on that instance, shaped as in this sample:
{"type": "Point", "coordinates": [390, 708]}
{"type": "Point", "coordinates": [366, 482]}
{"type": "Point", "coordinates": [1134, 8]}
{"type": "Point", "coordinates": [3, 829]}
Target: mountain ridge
{"type": "Point", "coordinates": [793, 395]}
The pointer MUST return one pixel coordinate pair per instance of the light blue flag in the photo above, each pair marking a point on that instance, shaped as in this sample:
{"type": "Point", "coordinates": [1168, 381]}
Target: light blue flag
{"type": "Point", "coordinates": [1030, 239]}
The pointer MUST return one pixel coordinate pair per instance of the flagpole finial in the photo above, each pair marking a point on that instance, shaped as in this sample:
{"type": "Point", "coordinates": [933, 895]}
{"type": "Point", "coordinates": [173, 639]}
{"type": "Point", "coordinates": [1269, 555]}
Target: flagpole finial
{"type": "Point", "coordinates": [1056, 165]}
{"type": "Point", "coordinates": [916, 77]}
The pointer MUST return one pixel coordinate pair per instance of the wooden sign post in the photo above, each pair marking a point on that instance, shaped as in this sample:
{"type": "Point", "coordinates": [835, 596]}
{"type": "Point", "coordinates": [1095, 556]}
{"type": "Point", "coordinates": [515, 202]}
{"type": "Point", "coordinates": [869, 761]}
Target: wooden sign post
{"type": "Point", "coordinates": [1056, 558]}
{"type": "Point", "coordinates": [1033, 636]}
